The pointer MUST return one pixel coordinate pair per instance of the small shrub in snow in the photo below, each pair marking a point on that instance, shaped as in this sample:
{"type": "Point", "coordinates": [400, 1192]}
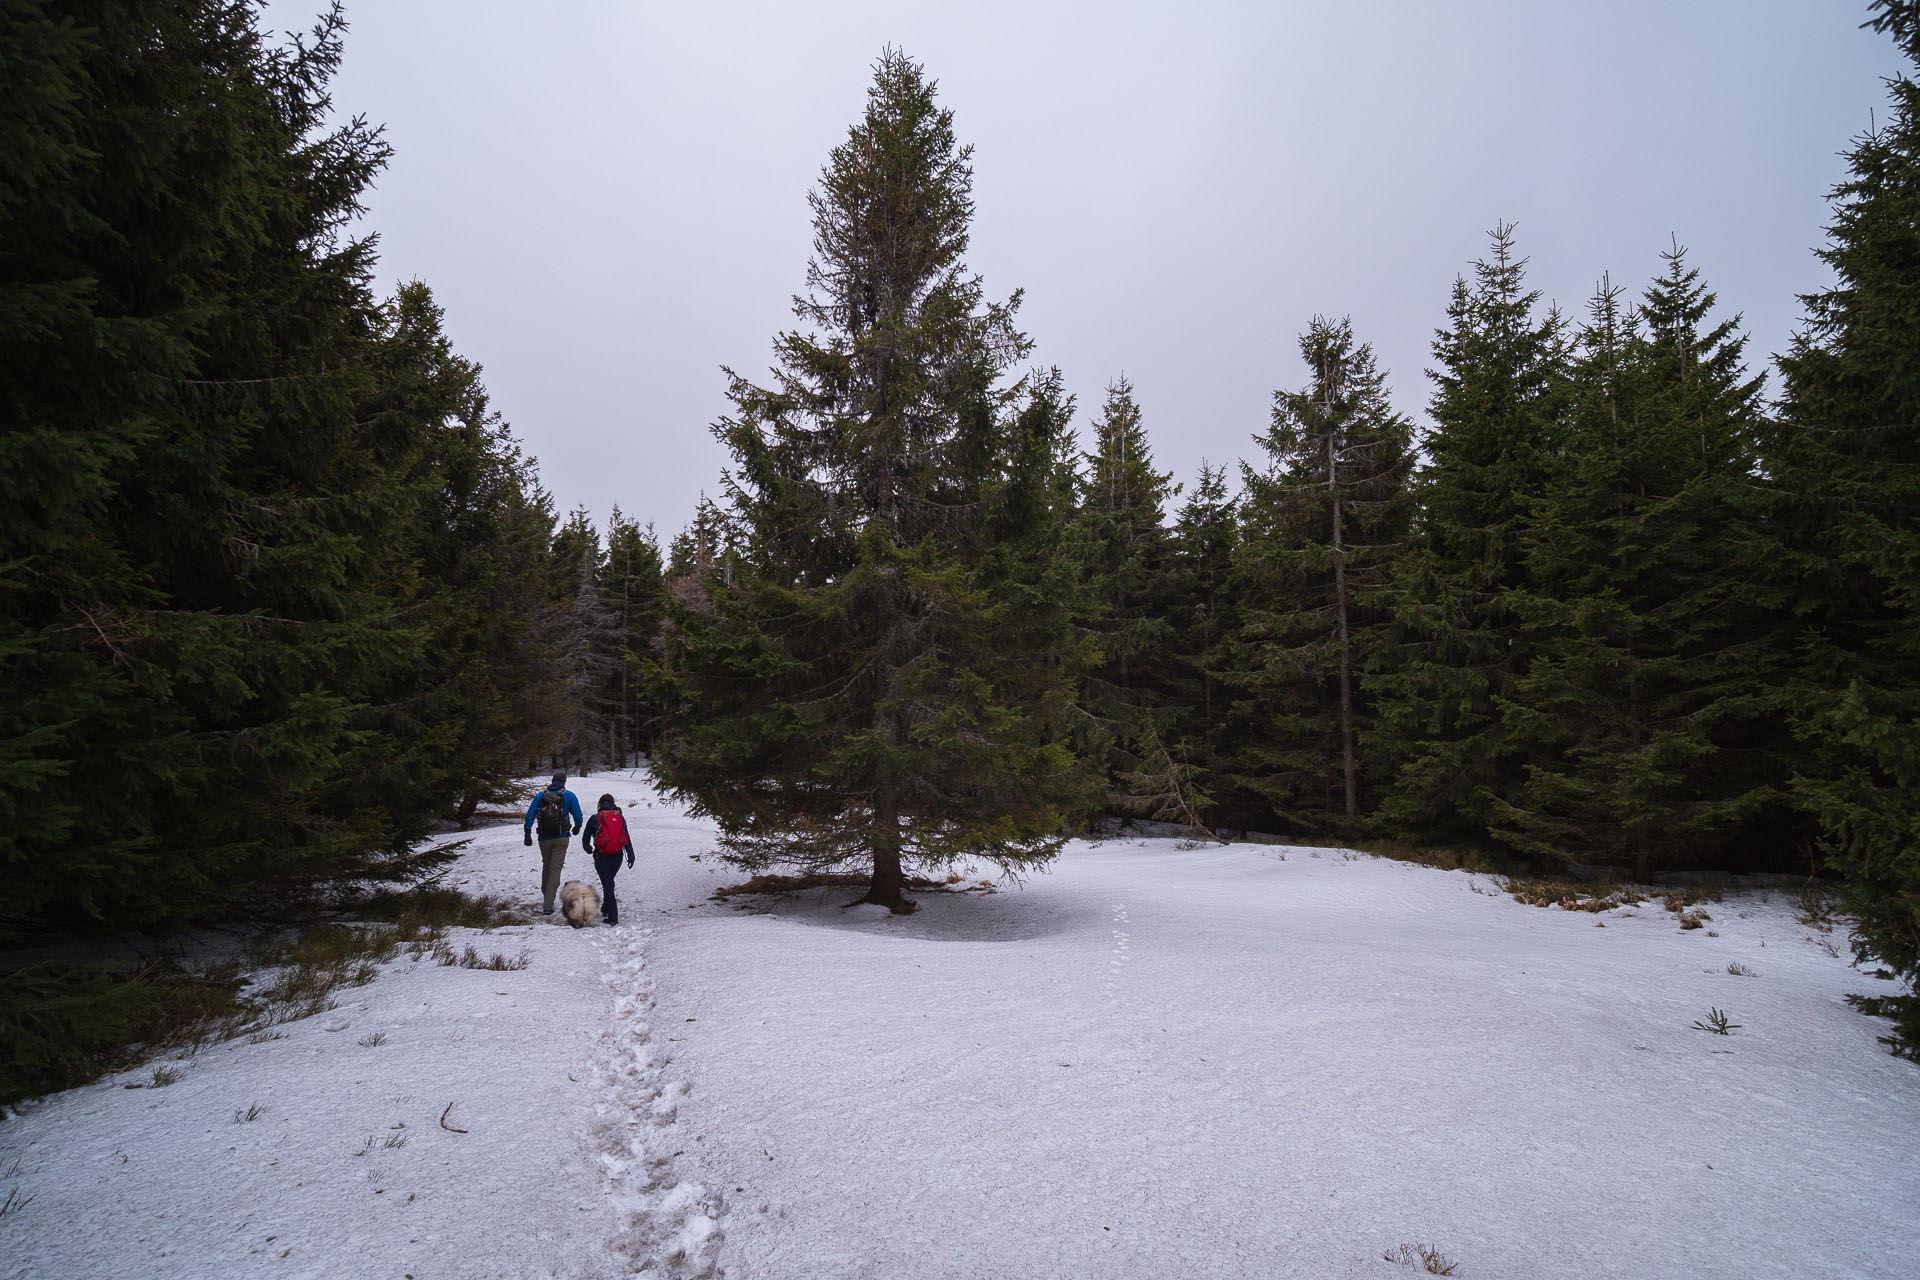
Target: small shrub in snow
{"type": "Point", "coordinates": [1717, 1023]}
{"type": "Point", "coordinates": [1424, 1256]}
{"type": "Point", "coordinates": [1816, 906]}
{"type": "Point", "coordinates": [373, 1041]}
{"type": "Point", "coordinates": [249, 1115]}
{"type": "Point", "coordinates": [15, 1202]}
{"type": "Point", "coordinates": [1739, 970]}
{"type": "Point", "coordinates": [1693, 919]}
{"type": "Point", "coordinates": [163, 1076]}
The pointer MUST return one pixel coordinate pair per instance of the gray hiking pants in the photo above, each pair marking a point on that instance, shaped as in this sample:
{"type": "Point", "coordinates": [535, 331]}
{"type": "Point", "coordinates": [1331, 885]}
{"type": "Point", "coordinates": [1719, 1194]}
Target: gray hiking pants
{"type": "Point", "coordinates": [553, 861]}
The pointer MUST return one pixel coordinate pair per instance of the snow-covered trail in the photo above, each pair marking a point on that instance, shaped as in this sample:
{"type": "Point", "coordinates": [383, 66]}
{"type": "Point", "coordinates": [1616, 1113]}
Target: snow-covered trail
{"type": "Point", "coordinates": [346, 1168]}
{"type": "Point", "coordinates": [1149, 1062]}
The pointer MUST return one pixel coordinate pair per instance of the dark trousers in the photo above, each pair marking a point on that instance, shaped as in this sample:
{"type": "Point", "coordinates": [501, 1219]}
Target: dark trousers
{"type": "Point", "coordinates": [608, 865]}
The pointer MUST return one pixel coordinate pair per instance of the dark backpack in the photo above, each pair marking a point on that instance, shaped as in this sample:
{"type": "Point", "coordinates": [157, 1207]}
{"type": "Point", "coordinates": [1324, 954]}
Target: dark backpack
{"type": "Point", "coordinates": [552, 816]}
{"type": "Point", "coordinates": [612, 836]}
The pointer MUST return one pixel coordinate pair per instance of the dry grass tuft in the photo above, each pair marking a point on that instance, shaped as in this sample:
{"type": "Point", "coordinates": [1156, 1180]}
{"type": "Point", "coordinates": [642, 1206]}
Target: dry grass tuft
{"type": "Point", "coordinates": [1424, 1256]}
{"type": "Point", "coordinates": [1569, 895]}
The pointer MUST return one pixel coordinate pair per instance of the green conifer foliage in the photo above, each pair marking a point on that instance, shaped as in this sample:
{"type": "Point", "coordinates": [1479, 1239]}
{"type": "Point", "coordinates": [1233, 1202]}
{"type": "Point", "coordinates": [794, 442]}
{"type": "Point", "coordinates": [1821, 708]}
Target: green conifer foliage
{"type": "Point", "coordinates": [1644, 666]}
{"type": "Point", "coordinates": [236, 578]}
{"type": "Point", "coordinates": [1201, 607]}
{"type": "Point", "coordinates": [1321, 524]}
{"type": "Point", "coordinates": [1459, 646]}
{"type": "Point", "coordinates": [634, 589]}
{"type": "Point", "coordinates": [183, 393]}
{"type": "Point", "coordinates": [1842, 555]}
{"type": "Point", "coordinates": [706, 547]}
{"type": "Point", "coordinates": [1121, 536]}
{"type": "Point", "coordinates": [591, 661]}
{"type": "Point", "coordinates": [860, 685]}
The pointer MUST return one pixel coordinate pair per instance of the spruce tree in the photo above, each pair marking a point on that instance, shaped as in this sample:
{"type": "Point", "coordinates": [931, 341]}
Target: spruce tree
{"type": "Point", "coordinates": [1645, 668]}
{"type": "Point", "coordinates": [707, 547]}
{"type": "Point", "coordinates": [633, 589]}
{"type": "Point", "coordinates": [852, 691]}
{"type": "Point", "coordinates": [1458, 645]}
{"type": "Point", "coordinates": [1121, 538]}
{"type": "Point", "coordinates": [590, 642]}
{"type": "Point", "coordinates": [1202, 609]}
{"type": "Point", "coordinates": [1840, 510]}
{"type": "Point", "coordinates": [1321, 524]}
{"type": "Point", "coordinates": [227, 616]}
{"type": "Point", "coordinates": [209, 644]}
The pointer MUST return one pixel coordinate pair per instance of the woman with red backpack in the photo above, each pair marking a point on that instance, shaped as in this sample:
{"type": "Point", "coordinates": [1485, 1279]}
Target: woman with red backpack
{"type": "Point", "coordinates": [606, 839]}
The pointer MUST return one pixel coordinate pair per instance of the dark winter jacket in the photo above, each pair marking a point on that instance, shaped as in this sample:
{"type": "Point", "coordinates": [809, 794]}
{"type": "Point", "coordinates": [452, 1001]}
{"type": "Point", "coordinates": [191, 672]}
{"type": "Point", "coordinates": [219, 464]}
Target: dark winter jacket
{"type": "Point", "coordinates": [573, 809]}
{"type": "Point", "coordinates": [593, 831]}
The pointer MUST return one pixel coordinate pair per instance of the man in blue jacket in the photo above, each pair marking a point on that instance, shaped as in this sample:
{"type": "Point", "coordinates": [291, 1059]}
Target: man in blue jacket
{"type": "Point", "coordinates": [557, 812]}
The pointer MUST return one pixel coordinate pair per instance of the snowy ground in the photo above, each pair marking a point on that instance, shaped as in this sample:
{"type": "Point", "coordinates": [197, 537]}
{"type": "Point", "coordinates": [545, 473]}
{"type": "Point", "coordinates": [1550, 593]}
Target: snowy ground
{"type": "Point", "coordinates": [1149, 1063]}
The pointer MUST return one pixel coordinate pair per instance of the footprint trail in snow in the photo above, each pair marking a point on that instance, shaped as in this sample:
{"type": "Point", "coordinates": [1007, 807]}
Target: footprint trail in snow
{"type": "Point", "coordinates": [1117, 962]}
{"type": "Point", "coordinates": [665, 1228]}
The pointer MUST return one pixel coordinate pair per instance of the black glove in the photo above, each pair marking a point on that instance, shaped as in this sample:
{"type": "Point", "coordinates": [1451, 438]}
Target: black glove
{"type": "Point", "coordinates": [576, 831]}
{"type": "Point", "coordinates": [629, 857]}
{"type": "Point", "coordinates": [529, 836]}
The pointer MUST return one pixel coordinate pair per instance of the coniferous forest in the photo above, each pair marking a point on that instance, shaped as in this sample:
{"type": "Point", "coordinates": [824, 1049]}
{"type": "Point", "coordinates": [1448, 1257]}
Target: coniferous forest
{"type": "Point", "coordinates": [284, 596]}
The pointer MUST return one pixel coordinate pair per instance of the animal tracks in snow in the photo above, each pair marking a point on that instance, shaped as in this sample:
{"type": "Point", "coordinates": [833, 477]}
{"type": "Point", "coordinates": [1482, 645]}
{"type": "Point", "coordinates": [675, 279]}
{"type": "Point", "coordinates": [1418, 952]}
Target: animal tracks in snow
{"type": "Point", "coordinates": [666, 1228]}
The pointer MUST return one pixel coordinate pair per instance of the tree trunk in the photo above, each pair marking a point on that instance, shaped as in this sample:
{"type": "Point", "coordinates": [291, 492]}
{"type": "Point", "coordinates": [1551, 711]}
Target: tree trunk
{"type": "Point", "coordinates": [469, 802]}
{"type": "Point", "coordinates": [889, 883]}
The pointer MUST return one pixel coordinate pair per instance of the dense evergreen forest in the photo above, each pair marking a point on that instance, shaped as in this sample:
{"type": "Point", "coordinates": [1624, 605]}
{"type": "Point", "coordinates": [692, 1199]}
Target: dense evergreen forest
{"type": "Point", "coordinates": [283, 596]}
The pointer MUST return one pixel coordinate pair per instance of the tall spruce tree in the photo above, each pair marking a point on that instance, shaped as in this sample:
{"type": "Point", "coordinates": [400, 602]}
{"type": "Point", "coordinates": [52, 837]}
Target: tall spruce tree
{"type": "Point", "coordinates": [234, 467]}
{"type": "Point", "coordinates": [1123, 543]}
{"type": "Point", "coordinates": [590, 640]}
{"type": "Point", "coordinates": [633, 588]}
{"type": "Point", "coordinates": [1645, 668]}
{"type": "Point", "coordinates": [1841, 555]}
{"type": "Point", "coordinates": [1459, 645]}
{"type": "Point", "coordinates": [1202, 610]}
{"type": "Point", "coordinates": [218, 632]}
{"type": "Point", "coordinates": [862, 693]}
{"type": "Point", "coordinates": [1321, 524]}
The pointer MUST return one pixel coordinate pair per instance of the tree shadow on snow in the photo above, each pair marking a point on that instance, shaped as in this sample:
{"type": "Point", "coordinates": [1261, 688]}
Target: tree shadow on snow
{"type": "Point", "coordinates": [948, 911]}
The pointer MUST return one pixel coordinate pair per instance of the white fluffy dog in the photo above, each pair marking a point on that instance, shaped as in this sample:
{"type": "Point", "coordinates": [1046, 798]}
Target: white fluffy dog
{"type": "Point", "coordinates": [580, 903]}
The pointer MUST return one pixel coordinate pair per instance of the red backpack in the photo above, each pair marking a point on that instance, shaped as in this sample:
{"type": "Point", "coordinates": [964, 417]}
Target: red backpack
{"type": "Point", "coordinates": [612, 836]}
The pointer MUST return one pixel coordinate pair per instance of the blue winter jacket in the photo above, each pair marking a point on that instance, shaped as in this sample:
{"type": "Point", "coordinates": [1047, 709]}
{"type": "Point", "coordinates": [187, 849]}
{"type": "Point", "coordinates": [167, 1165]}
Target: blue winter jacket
{"type": "Point", "coordinates": [573, 810]}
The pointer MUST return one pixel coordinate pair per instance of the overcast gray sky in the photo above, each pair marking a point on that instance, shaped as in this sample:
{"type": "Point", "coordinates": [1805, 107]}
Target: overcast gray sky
{"type": "Point", "coordinates": [609, 198]}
